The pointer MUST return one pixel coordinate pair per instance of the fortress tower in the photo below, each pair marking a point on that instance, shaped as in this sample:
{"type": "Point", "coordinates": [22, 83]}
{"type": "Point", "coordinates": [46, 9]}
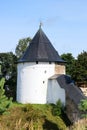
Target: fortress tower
{"type": "Point", "coordinates": [39, 62]}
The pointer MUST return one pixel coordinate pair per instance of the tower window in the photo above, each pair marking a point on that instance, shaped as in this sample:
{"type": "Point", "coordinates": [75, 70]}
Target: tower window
{"type": "Point", "coordinates": [49, 62]}
{"type": "Point", "coordinates": [45, 71]}
{"type": "Point", "coordinates": [43, 82]}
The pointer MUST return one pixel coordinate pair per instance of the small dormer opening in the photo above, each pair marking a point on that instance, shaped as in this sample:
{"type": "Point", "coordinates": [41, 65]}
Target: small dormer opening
{"type": "Point", "coordinates": [49, 62]}
{"type": "Point", "coordinates": [36, 62]}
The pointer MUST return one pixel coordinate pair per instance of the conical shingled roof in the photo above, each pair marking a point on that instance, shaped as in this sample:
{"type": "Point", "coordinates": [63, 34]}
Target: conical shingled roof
{"type": "Point", "coordinates": [41, 50]}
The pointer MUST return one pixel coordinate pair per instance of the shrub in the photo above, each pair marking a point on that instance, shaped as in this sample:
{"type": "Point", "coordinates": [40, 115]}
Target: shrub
{"type": "Point", "coordinates": [83, 107]}
{"type": "Point", "coordinates": [57, 109]}
{"type": "Point", "coordinates": [4, 101]}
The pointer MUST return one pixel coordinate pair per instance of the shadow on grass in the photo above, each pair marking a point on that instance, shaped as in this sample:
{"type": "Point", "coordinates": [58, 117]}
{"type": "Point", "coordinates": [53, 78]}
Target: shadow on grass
{"type": "Point", "coordinates": [66, 119]}
{"type": "Point", "coordinates": [48, 125]}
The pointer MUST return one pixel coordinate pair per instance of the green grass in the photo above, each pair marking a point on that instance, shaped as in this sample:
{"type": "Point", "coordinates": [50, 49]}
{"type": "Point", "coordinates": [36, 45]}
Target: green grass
{"type": "Point", "coordinates": [30, 117]}
{"type": "Point", "coordinates": [35, 117]}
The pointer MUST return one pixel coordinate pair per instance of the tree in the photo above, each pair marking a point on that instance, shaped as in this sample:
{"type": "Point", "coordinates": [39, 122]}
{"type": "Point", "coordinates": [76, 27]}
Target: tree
{"type": "Point", "coordinates": [79, 72]}
{"type": "Point", "coordinates": [8, 64]}
{"type": "Point", "coordinates": [9, 72]}
{"type": "Point", "coordinates": [82, 60]}
{"type": "Point", "coordinates": [21, 47]}
{"type": "Point", "coordinates": [70, 62]}
{"type": "Point", "coordinates": [76, 68]}
{"type": "Point", "coordinates": [4, 101]}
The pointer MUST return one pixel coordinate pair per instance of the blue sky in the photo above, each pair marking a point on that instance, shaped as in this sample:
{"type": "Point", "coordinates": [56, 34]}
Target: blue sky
{"type": "Point", "coordinates": [64, 22]}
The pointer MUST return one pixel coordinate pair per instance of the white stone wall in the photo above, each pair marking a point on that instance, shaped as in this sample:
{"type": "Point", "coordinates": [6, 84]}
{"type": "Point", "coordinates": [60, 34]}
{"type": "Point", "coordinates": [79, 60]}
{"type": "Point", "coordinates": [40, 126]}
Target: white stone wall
{"type": "Point", "coordinates": [55, 92]}
{"type": "Point", "coordinates": [32, 82]}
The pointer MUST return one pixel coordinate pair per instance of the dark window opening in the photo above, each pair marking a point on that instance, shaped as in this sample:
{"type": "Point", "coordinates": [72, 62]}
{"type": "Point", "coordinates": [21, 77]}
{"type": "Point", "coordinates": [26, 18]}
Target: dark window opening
{"type": "Point", "coordinates": [49, 62]}
{"type": "Point", "coordinates": [43, 82]}
{"type": "Point", "coordinates": [45, 71]}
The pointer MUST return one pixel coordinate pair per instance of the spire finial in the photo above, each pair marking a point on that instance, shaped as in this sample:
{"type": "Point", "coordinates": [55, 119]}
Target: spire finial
{"type": "Point", "coordinates": [40, 25]}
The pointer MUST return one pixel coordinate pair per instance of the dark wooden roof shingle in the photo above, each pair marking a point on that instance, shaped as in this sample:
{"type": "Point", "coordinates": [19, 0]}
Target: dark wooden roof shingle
{"type": "Point", "coordinates": [41, 49]}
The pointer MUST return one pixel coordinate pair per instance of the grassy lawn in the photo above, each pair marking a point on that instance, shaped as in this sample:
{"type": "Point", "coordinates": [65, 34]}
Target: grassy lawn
{"type": "Point", "coordinates": [30, 117]}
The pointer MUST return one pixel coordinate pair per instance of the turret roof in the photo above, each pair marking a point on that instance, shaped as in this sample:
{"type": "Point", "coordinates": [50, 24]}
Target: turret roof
{"type": "Point", "coordinates": [41, 50]}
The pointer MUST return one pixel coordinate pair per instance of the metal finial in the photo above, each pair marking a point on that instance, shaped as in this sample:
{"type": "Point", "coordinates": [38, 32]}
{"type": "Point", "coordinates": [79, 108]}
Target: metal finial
{"type": "Point", "coordinates": [40, 25]}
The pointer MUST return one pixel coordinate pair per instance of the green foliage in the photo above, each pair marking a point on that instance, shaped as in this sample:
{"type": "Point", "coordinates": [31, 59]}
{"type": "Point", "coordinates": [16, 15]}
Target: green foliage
{"type": "Point", "coordinates": [81, 66]}
{"type": "Point", "coordinates": [9, 72]}
{"type": "Point", "coordinates": [21, 47]}
{"type": "Point", "coordinates": [4, 101]}
{"type": "Point", "coordinates": [79, 73]}
{"type": "Point", "coordinates": [70, 61]}
{"type": "Point", "coordinates": [27, 108]}
{"type": "Point", "coordinates": [32, 117]}
{"type": "Point", "coordinates": [0, 69]}
{"type": "Point", "coordinates": [83, 107]}
{"type": "Point", "coordinates": [8, 65]}
{"type": "Point", "coordinates": [77, 68]}
{"type": "Point", "coordinates": [57, 109]}
{"type": "Point", "coordinates": [2, 81]}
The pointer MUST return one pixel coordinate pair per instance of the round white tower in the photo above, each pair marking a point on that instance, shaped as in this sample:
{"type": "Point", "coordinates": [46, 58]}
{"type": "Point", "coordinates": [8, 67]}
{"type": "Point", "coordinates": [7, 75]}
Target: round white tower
{"type": "Point", "coordinates": [39, 62]}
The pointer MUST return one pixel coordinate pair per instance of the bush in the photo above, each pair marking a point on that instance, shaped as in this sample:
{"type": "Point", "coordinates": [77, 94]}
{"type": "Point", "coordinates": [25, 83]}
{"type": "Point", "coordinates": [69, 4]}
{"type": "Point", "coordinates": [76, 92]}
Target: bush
{"type": "Point", "coordinates": [4, 101]}
{"type": "Point", "coordinates": [83, 107]}
{"type": "Point", "coordinates": [57, 109]}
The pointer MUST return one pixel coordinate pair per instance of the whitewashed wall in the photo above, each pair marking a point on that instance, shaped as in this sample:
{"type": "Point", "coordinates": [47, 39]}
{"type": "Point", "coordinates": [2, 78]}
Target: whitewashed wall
{"type": "Point", "coordinates": [55, 92]}
{"type": "Point", "coordinates": [32, 81]}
